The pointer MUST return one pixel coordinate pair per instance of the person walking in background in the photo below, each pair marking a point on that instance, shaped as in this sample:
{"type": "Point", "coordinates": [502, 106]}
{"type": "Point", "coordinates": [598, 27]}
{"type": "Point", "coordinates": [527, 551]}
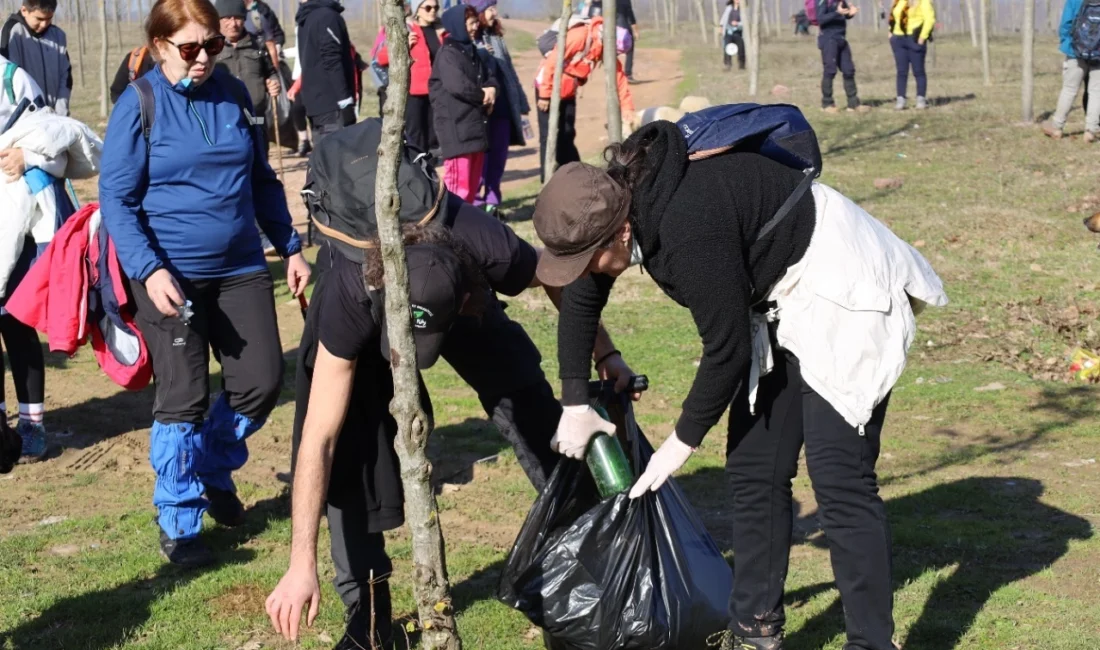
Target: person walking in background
{"type": "Point", "coordinates": [328, 69]}
{"type": "Point", "coordinates": [624, 17]}
{"type": "Point", "coordinates": [135, 64]}
{"type": "Point", "coordinates": [245, 60]}
{"type": "Point", "coordinates": [181, 202]}
{"type": "Point", "coordinates": [732, 35]}
{"type": "Point", "coordinates": [30, 40]}
{"type": "Point", "coordinates": [832, 19]}
{"type": "Point", "coordinates": [462, 90]}
{"type": "Point", "coordinates": [583, 52]}
{"type": "Point", "coordinates": [911, 24]}
{"type": "Point", "coordinates": [424, 44]}
{"type": "Point", "coordinates": [506, 123]}
{"type": "Point", "coordinates": [263, 25]}
{"type": "Point", "coordinates": [1076, 72]}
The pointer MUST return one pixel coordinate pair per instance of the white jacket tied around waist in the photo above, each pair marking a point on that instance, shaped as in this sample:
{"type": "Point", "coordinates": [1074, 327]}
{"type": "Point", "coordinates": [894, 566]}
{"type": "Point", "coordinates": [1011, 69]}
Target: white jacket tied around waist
{"type": "Point", "coordinates": [845, 310]}
{"type": "Point", "coordinates": [60, 146]}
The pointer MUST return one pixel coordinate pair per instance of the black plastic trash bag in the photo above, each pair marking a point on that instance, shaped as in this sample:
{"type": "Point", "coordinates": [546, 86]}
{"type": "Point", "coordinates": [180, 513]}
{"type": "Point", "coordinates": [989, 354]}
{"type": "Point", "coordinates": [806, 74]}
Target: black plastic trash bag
{"type": "Point", "coordinates": [620, 574]}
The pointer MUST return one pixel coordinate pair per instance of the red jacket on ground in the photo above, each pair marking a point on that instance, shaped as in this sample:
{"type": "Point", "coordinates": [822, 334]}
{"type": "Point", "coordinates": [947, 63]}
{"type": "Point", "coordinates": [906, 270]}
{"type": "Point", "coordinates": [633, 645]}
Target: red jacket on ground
{"type": "Point", "coordinates": [421, 67]}
{"type": "Point", "coordinates": [54, 298]}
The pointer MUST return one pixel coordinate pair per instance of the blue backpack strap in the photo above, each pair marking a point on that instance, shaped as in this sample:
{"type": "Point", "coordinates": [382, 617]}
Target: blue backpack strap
{"type": "Point", "coordinates": [147, 101]}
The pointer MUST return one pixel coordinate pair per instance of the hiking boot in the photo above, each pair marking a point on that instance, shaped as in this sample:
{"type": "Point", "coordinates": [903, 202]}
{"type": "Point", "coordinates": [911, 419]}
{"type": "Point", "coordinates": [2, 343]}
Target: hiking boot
{"type": "Point", "coordinates": [1090, 137]}
{"type": "Point", "coordinates": [631, 80]}
{"type": "Point", "coordinates": [861, 109]}
{"type": "Point", "coordinates": [305, 148]}
{"type": "Point", "coordinates": [922, 103]}
{"type": "Point", "coordinates": [1052, 132]}
{"type": "Point", "coordinates": [727, 640]}
{"type": "Point", "coordinates": [185, 552]}
{"type": "Point", "coordinates": [900, 104]}
{"type": "Point", "coordinates": [225, 508]}
{"type": "Point", "coordinates": [34, 441]}
{"type": "Point", "coordinates": [831, 110]}
{"type": "Point", "coordinates": [357, 634]}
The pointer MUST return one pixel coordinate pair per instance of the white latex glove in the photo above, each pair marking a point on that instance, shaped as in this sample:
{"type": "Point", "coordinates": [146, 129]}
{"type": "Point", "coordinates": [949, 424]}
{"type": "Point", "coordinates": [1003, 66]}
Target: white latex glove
{"type": "Point", "coordinates": [575, 428]}
{"type": "Point", "coordinates": [665, 462]}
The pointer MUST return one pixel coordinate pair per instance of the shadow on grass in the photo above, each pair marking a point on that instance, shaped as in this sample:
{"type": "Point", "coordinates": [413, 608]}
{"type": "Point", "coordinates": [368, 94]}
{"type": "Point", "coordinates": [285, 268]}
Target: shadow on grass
{"type": "Point", "coordinates": [110, 618]}
{"type": "Point", "coordinates": [858, 136]}
{"type": "Point", "coordinates": [992, 531]}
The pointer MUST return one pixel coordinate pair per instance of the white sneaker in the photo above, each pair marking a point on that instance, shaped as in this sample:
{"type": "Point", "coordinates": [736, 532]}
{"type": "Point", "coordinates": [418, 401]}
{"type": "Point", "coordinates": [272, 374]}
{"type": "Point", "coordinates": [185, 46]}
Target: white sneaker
{"type": "Point", "coordinates": [900, 105]}
{"type": "Point", "coordinates": [922, 103]}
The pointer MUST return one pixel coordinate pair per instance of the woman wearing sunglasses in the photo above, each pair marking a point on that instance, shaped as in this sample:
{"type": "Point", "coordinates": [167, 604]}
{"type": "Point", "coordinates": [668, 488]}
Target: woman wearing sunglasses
{"type": "Point", "coordinates": [423, 45]}
{"type": "Point", "coordinates": [181, 204]}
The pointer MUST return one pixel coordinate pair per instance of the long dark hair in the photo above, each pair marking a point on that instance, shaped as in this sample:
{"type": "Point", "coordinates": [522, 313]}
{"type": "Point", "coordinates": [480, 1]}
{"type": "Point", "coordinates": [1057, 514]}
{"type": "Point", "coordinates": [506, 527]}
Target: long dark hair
{"type": "Point", "coordinates": [626, 161]}
{"type": "Point", "coordinates": [436, 234]}
{"type": "Point", "coordinates": [496, 29]}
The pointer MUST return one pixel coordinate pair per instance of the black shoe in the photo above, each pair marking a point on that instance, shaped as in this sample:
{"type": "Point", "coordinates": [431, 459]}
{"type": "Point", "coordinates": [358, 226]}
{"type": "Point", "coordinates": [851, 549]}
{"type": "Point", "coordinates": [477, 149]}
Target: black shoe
{"type": "Point", "coordinates": [357, 634]}
{"type": "Point", "coordinates": [185, 552]}
{"type": "Point", "coordinates": [305, 149]}
{"type": "Point", "coordinates": [729, 641]}
{"type": "Point", "coordinates": [225, 507]}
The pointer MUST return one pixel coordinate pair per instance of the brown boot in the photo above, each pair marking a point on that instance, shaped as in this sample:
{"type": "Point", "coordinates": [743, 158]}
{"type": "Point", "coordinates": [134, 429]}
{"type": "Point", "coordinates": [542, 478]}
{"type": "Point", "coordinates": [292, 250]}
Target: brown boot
{"type": "Point", "coordinates": [831, 110]}
{"type": "Point", "coordinates": [862, 108]}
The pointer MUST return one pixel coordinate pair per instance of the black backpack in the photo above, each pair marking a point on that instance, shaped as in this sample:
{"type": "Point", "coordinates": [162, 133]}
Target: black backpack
{"type": "Point", "coordinates": [339, 190]}
{"type": "Point", "coordinates": [1085, 38]}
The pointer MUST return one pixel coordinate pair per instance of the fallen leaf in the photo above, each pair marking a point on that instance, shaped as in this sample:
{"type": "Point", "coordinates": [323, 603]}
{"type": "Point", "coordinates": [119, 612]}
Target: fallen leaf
{"type": "Point", "coordinates": [1080, 462]}
{"type": "Point", "coordinates": [49, 521]}
{"type": "Point", "coordinates": [779, 90]}
{"type": "Point", "coordinates": [990, 387]}
{"type": "Point", "coordinates": [323, 637]}
{"type": "Point", "coordinates": [888, 183]}
{"type": "Point", "coordinates": [1036, 268]}
{"type": "Point", "coordinates": [918, 244]}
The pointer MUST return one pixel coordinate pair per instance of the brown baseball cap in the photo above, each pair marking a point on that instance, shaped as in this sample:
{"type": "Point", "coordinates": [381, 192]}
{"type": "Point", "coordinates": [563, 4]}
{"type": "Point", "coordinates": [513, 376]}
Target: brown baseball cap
{"type": "Point", "coordinates": [578, 210]}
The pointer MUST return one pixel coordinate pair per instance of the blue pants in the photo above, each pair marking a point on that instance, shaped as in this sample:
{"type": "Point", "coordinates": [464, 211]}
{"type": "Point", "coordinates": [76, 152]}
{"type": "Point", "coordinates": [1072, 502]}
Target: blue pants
{"type": "Point", "coordinates": [908, 53]}
{"type": "Point", "coordinates": [192, 449]}
{"type": "Point", "coordinates": [836, 54]}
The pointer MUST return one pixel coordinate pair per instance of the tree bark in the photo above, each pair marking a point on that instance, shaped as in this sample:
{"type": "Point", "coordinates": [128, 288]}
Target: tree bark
{"type": "Point", "coordinates": [430, 584]}
{"type": "Point", "coordinates": [778, 18]}
{"type": "Point", "coordinates": [104, 42]}
{"type": "Point", "coordinates": [550, 164]}
{"type": "Point", "coordinates": [752, 37]}
{"type": "Point", "coordinates": [655, 5]}
{"type": "Point", "coordinates": [715, 15]}
{"type": "Point", "coordinates": [1051, 18]}
{"type": "Point", "coordinates": [671, 12]}
{"type": "Point", "coordinates": [1027, 87]}
{"type": "Point", "coordinates": [987, 77]}
{"type": "Point", "coordinates": [765, 20]}
{"type": "Point", "coordinates": [974, 28]}
{"type": "Point", "coordinates": [80, 41]}
{"type": "Point", "coordinates": [118, 26]}
{"type": "Point", "coordinates": [610, 73]}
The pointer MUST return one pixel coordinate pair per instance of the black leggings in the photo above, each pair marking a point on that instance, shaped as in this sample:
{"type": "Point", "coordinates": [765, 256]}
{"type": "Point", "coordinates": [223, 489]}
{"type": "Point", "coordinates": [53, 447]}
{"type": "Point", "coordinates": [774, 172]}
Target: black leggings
{"type": "Point", "coordinates": [567, 135]}
{"type": "Point", "coordinates": [298, 114]}
{"type": "Point", "coordinates": [28, 365]}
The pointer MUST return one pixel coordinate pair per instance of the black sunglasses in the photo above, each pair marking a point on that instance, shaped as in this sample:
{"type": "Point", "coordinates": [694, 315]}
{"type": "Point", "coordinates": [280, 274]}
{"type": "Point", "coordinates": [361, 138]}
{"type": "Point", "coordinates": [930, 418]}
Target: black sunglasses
{"type": "Point", "coordinates": [430, 7]}
{"type": "Point", "coordinates": [190, 51]}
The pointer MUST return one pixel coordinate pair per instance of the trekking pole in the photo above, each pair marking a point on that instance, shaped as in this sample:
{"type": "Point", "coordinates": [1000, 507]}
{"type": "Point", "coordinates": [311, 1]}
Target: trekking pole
{"type": "Point", "coordinates": [278, 138]}
{"type": "Point", "coordinates": [303, 304]}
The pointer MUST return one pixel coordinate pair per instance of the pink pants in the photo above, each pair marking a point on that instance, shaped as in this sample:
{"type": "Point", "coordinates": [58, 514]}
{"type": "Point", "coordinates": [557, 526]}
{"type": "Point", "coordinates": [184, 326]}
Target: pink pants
{"type": "Point", "coordinates": [462, 175]}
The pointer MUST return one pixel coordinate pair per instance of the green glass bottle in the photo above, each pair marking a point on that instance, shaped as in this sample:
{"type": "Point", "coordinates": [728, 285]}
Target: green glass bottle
{"type": "Point", "coordinates": [607, 462]}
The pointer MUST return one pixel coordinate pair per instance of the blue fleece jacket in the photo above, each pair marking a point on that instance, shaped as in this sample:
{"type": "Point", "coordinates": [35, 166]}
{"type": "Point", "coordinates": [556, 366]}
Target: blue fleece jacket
{"type": "Point", "coordinates": [830, 21]}
{"type": "Point", "coordinates": [190, 199]}
{"type": "Point", "coordinates": [1065, 30]}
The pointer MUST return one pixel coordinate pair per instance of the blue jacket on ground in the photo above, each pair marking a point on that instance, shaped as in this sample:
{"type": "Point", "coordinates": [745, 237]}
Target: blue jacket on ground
{"type": "Point", "coordinates": [1065, 30]}
{"type": "Point", "coordinates": [829, 20]}
{"type": "Point", "coordinates": [189, 200]}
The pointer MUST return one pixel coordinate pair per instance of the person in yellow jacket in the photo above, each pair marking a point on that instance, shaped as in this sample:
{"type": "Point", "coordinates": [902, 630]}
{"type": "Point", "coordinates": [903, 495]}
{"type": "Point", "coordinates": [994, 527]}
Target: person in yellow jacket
{"type": "Point", "coordinates": [911, 24]}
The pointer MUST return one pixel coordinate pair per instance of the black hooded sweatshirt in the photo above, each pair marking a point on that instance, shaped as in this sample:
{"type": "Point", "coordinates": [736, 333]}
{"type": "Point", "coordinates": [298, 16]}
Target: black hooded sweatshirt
{"type": "Point", "coordinates": [696, 223]}
{"type": "Point", "coordinates": [459, 74]}
{"type": "Point", "coordinates": [328, 72]}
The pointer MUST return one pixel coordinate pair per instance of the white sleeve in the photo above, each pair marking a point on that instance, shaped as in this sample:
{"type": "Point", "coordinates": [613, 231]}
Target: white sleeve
{"type": "Point", "coordinates": [25, 87]}
{"type": "Point", "coordinates": [725, 17]}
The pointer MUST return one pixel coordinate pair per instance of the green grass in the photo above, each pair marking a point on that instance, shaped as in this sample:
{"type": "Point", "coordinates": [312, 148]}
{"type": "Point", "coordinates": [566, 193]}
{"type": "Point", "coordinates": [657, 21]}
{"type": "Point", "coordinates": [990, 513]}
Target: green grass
{"type": "Point", "coordinates": [990, 494]}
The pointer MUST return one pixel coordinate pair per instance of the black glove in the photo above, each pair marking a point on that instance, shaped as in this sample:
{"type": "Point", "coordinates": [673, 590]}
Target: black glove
{"type": "Point", "coordinates": [11, 447]}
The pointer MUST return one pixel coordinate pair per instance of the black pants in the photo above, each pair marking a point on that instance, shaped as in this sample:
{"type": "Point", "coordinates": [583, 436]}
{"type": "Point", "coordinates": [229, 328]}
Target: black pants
{"type": "Point", "coordinates": [499, 361]}
{"type": "Point", "coordinates": [909, 54]}
{"type": "Point", "coordinates": [298, 114]}
{"type": "Point", "coordinates": [567, 136]}
{"type": "Point", "coordinates": [836, 54]}
{"type": "Point", "coordinates": [325, 123]}
{"type": "Point", "coordinates": [734, 37]}
{"type": "Point", "coordinates": [628, 67]}
{"type": "Point", "coordinates": [418, 122]}
{"type": "Point", "coordinates": [28, 364]}
{"type": "Point", "coordinates": [762, 459]}
{"type": "Point", "coordinates": [235, 317]}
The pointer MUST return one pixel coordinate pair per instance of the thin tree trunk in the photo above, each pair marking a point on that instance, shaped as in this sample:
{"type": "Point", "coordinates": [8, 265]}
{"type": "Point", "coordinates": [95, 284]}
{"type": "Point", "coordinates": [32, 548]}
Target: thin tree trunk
{"type": "Point", "coordinates": [700, 9]}
{"type": "Point", "coordinates": [672, 17]}
{"type": "Point", "coordinates": [715, 15]}
{"type": "Point", "coordinates": [987, 77]}
{"type": "Point", "coordinates": [550, 164]}
{"type": "Point", "coordinates": [430, 585]}
{"type": "Point", "coordinates": [766, 21]}
{"type": "Point", "coordinates": [752, 35]}
{"type": "Point", "coordinates": [80, 41]}
{"type": "Point", "coordinates": [1051, 18]}
{"type": "Point", "coordinates": [610, 73]}
{"type": "Point", "coordinates": [655, 5]}
{"type": "Point", "coordinates": [118, 26]}
{"type": "Point", "coordinates": [778, 18]}
{"type": "Point", "coordinates": [974, 28]}
{"type": "Point", "coordinates": [1027, 112]}
{"type": "Point", "coordinates": [103, 45]}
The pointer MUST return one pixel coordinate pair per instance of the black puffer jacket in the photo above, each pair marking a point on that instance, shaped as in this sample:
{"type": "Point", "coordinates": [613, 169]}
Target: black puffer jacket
{"type": "Point", "coordinates": [458, 76]}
